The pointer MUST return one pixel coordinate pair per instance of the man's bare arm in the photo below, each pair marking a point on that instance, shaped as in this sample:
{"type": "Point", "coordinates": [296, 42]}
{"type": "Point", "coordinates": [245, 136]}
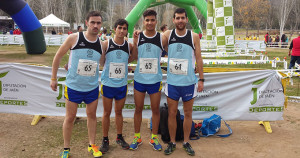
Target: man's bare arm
{"type": "Point", "coordinates": [104, 48]}
{"type": "Point", "coordinates": [63, 49]}
{"type": "Point", "coordinates": [199, 61]}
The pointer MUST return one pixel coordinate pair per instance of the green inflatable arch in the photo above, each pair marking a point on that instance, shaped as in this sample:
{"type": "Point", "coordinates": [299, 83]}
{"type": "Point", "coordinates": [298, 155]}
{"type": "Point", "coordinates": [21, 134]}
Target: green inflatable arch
{"type": "Point", "coordinates": [142, 5]}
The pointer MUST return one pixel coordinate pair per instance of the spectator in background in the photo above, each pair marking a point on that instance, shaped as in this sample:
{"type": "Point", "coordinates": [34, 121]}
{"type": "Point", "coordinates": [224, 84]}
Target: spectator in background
{"type": "Point", "coordinates": [79, 28]}
{"type": "Point", "coordinates": [267, 37]}
{"type": "Point", "coordinates": [11, 32]}
{"type": "Point", "coordinates": [270, 41]}
{"type": "Point", "coordinates": [103, 35]}
{"type": "Point", "coordinates": [53, 32]}
{"type": "Point", "coordinates": [254, 37]}
{"type": "Point", "coordinates": [277, 40]}
{"type": "Point", "coordinates": [239, 38]}
{"type": "Point", "coordinates": [200, 35]}
{"type": "Point", "coordinates": [283, 38]}
{"type": "Point", "coordinates": [4, 31]}
{"type": "Point", "coordinates": [164, 28]}
{"type": "Point", "coordinates": [295, 48]}
{"type": "Point", "coordinates": [17, 32]}
{"type": "Point", "coordinates": [70, 32]}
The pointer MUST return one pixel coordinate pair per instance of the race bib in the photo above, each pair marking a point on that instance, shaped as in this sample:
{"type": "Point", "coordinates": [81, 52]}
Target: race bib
{"type": "Point", "coordinates": [178, 66]}
{"type": "Point", "coordinates": [148, 65]}
{"type": "Point", "coordinates": [87, 67]}
{"type": "Point", "coordinates": [117, 70]}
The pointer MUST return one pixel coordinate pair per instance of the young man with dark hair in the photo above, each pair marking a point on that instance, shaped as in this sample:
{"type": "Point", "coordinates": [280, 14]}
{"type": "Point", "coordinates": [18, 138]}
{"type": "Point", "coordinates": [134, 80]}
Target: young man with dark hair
{"type": "Point", "coordinates": [81, 80]}
{"type": "Point", "coordinates": [164, 28]}
{"type": "Point", "coordinates": [115, 59]}
{"type": "Point", "coordinates": [183, 51]}
{"type": "Point", "coordinates": [79, 28]}
{"type": "Point", "coordinates": [148, 77]}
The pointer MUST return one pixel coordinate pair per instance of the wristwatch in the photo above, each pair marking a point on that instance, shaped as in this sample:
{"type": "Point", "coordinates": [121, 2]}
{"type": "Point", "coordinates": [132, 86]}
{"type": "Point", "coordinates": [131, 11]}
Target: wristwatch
{"type": "Point", "coordinates": [201, 80]}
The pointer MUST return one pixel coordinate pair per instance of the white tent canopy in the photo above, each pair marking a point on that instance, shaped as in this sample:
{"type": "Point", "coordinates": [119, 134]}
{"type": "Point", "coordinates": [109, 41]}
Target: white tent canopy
{"type": "Point", "coordinates": [53, 21]}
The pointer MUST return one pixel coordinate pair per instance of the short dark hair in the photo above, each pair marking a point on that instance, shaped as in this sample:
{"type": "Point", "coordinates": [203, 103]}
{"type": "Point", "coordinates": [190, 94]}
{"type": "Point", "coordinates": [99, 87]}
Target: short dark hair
{"type": "Point", "coordinates": [163, 27]}
{"type": "Point", "coordinates": [149, 12]}
{"type": "Point", "coordinates": [179, 11]}
{"type": "Point", "coordinates": [104, 31]}
{"type": "Point", "coordinates": [92, 13]}
{"type": "Point", "coordinates": [78, 27]}
{"type": "Point", "coordinates": [120, 22]}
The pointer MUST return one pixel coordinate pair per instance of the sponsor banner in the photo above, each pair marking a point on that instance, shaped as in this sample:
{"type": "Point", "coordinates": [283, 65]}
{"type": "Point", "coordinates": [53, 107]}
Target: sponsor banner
{"type": "Point", "coordinates": [255, 45]}
{"type": "Point", "coordinates": [234, 62]}
{"type": "Point", "coordinates": [18, 39]}
{"type": "Point", "coordinates": [250, 95]}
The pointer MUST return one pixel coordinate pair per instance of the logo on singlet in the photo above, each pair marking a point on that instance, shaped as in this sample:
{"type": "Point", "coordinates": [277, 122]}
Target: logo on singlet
{"type": "Point", "coordinates": [119, 54]}
{"type": "Point", "coordinates": [82, 44]}
{"type": "Point", "coordinates": [90, 53]}
{"type": "Point", "coordinates": [111, 46]}
{"type": "Point", "coordinates": [179, 47]}
{"type": "Point", "coordinates": [142, 40]}
{"type": "Point", "coordinates": [148, 47]}
{"type": "Point", "coordinates": [173, 39]}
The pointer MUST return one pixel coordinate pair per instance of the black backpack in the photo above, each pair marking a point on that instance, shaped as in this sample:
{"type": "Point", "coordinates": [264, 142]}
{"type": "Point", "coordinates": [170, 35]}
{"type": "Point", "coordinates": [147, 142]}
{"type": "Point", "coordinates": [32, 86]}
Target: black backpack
{"type": "Point", "coordinates": [163, 125]}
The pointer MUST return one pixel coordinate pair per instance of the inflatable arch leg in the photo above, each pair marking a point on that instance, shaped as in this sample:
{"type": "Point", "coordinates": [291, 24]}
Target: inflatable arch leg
{"type": "Point", "coordinates": [30, 26]}
{"type": "Point", "coordinates": [220, 23]}
{"type": "Point", "coordinates": [142, 5]}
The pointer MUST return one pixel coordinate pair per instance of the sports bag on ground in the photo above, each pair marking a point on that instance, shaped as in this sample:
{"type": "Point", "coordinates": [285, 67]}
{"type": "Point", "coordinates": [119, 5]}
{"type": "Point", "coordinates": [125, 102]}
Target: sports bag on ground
{"type": "Point", "coordinates": [163, 125]}
{"type": "Point", "coordinates": [212, 125]}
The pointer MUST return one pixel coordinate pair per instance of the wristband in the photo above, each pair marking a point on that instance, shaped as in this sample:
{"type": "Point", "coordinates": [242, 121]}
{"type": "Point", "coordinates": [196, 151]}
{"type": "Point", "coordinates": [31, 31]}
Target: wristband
{"type": "Point", "coordinates": [201, 80]}
{"type": "Point", "coordinates": [53, 79]}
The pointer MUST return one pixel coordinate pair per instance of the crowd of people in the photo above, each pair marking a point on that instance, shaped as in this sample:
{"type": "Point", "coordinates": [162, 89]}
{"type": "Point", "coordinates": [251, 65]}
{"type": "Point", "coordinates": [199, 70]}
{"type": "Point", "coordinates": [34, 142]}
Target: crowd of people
{"type": "Point", "coordinates": [16, 31]}
{"type": "Point", "coordinates": [274, 41]}
{"type": "Point", "coordinates": [88, 52]}
{"type": "Point", "coordinates": [271, 41]}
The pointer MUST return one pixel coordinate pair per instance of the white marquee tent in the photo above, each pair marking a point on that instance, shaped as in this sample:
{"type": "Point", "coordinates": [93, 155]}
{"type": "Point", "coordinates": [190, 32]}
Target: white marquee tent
{"type": "Point", "coordinates": [53, 21]}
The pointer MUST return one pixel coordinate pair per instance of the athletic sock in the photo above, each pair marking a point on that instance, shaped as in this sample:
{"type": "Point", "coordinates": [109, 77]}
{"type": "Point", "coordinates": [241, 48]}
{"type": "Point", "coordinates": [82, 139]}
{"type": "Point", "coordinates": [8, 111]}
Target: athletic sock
{"type": "Point", "coordinates": [137, 135]}
{"type": "Point", "coordinates": [67, 149]}
{"type": "Point", "coordinates": [105, 138]}
{"type": "Point", "coordinates": [153, 135]}
{"type": "Point", "coordinates": [119, 136]}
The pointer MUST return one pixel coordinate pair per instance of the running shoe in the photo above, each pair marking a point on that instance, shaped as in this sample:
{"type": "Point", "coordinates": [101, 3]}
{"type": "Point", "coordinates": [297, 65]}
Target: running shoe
{"type": "Point", "coordinates": [94, 150]}
{"type": "Point", "coordinates": [105, 146]}
{"type": "Point", "coordinates": [171, 147]}
{"type": "Point", "coordinates": [135, 143]}
{"type": "Point", "coordinates": [122, 142]}
{"type": "Point", "coordinates": [65, 154]}
{"type": "Point", "coordinates": [155, 143]}
{"type": "Point", "coordinates": [188, 148]}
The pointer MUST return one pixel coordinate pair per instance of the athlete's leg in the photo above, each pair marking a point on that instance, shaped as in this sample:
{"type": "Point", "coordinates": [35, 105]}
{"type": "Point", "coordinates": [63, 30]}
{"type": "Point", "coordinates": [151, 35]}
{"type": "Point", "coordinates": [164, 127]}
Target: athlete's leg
{"type": "Point", "coordinates": [107, 106]}
{"type": "Point", "coordinates": [139, 98]}
{"type": "Point", "coordinates": [119, 104]}
{"type": "Point", "coordinates": [71, 110]}
{"type": "Point", "coordinates": [172, 123]}
{"type": "Point", "coordinates": [155, 102]}
{"type": "Point", "coordinates": [187, 123]}
{"type": "Point", "coordinates": [91, 109]}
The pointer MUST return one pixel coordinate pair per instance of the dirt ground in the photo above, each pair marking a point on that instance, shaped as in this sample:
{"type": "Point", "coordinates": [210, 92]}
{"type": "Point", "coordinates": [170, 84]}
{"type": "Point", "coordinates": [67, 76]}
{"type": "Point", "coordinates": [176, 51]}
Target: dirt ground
{"type": "Point", "coordinates": [19, 139]}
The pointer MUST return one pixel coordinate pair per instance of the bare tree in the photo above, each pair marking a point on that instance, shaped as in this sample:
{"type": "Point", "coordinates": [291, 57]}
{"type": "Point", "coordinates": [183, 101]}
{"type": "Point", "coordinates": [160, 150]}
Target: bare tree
{"type": "Point", "coordinates": [62, 9]}
{"type": "Point", "coordinates": [110, 12]}
{"type": "Point", "coordinates": [294, 19]}
{"type": "Point", "coordinates": [260, 9]}
{"type": "Point", "coordinates": [284, 8]}
{"type": "Point", "coordinates": [79, 9]}
{"type": "Point", "coordinates": [44, 8]}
